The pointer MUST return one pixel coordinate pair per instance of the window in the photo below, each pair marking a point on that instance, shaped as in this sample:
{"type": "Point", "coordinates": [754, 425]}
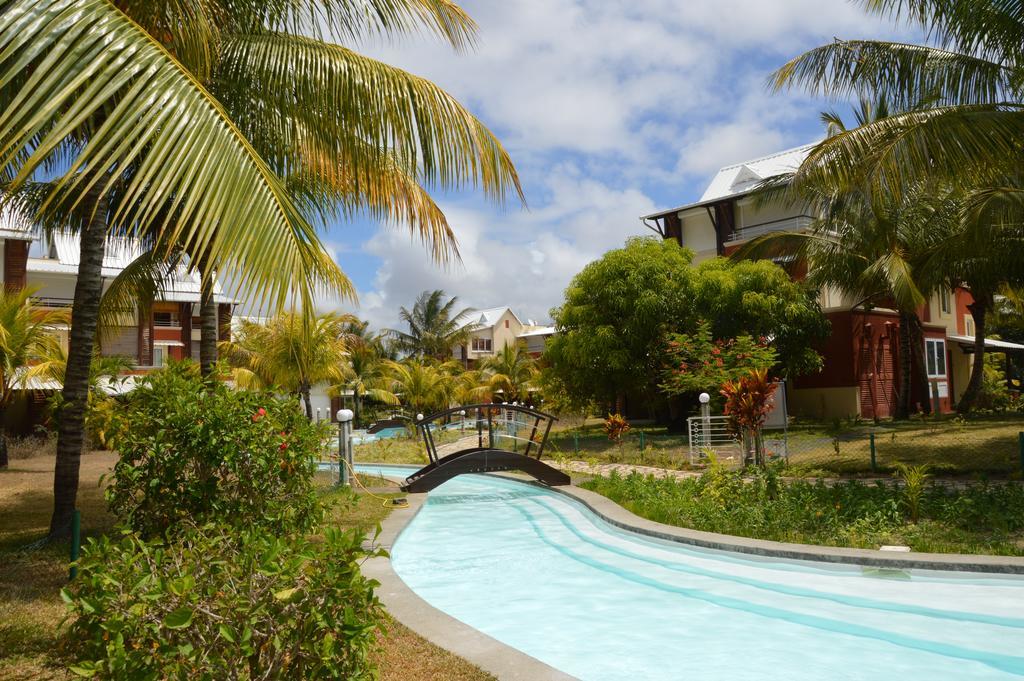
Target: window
{"type": "Point", "coordinates": [944, 301]}
{"type": "Point", "coordinates": [482, 344]}
{"type": "Point", "coordinates": [506, 323]}
{"type": "Point", "coordinates": [969, 325]}
{"type": "Point", "coordinates": [935, 357]}
{"type": "Point", "coordinates": [158, 356]}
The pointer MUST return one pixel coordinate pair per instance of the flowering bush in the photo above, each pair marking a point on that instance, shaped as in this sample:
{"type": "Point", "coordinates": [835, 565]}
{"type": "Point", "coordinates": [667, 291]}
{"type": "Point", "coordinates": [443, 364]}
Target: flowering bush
{"type": "Point", "coordinates": [696, 362]}
{"type": "Point", "coordinates": [195, 451]}
{"type": "Point", "coordinates": [222, 603]}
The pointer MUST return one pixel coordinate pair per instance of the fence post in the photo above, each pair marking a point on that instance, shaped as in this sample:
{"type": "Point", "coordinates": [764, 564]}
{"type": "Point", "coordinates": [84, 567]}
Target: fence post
{"type": "Point", "coordinates": [643, 441]}
{"type": "Point", "coordinates": [76, 541]}
{"type": "Point", "coordinates": [1020, 440]}
{"type": "Point", "coordinates": [874, 465]}
{"type": "Point", "coordinates": [576, 443]}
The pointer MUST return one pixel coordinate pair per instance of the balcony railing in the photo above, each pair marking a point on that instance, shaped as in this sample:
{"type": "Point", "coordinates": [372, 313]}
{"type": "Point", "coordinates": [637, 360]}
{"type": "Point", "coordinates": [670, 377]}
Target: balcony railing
{"type": "Point", "coordinates": [56, 303]}
{"type": "Point", "coordinates": [793, 224]}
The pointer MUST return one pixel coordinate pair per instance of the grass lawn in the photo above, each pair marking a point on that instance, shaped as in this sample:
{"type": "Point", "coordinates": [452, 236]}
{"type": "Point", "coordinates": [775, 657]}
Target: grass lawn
{"type": "Point", "coordinates": [30, 605]}
{"type": "Point", "coordinates": [982, 445]}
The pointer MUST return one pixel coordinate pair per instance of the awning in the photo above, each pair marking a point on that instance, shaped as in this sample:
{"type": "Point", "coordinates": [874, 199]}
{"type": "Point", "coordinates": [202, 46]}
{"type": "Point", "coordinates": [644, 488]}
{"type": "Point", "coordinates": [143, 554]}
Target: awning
{"type": "Point", "coordinates": [991, 344]}
{"type": "Point", "coordinates": [169, 343]}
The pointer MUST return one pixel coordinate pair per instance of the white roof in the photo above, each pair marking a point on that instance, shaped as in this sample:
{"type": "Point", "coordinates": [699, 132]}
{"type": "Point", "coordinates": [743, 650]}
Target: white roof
{"type": "Point", "coordinates": [990, 343]}
{"type": "Point", "coordinates": [14, 227]}
{"type": "Point", "coordinates": [484, 319]}
{"type": "Point", "coordinates": [539, 331]}
{"type": "Point", "coordinates": [741, 178]}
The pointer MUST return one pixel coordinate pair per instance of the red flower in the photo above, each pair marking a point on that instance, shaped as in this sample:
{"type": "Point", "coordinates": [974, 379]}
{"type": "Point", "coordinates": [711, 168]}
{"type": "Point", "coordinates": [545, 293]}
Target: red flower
{"type": "Point", "coordinates": [260, 413]}
{"type": "Point", "coordinates": [284, 446]}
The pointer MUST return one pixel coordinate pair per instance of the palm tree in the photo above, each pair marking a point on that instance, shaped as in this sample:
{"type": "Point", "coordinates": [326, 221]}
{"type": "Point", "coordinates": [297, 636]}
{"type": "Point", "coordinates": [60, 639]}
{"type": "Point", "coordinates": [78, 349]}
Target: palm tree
{"type": "Point", "coordinates": [291, 352]}
{"type": "Point", "coordinates": [26, 342]}
{"type": "Point", "coordinates": [434, 330]}
{"type": "Point", "coordinates": [511, 372]}
{"type": "Point", "coordinates": [366, 374]}
{"type": "Point", "coordinates": [223, 128]}
{"type": "Point", "coordinates": [423, 387]}
{"type": "Point", "coordinates": [957, 104]}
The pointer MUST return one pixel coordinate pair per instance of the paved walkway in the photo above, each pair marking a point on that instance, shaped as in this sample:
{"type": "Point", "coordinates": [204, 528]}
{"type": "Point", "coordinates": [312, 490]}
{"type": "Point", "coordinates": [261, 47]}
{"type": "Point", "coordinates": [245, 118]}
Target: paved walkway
{"type": "Point", "coordinates": [622, 469]}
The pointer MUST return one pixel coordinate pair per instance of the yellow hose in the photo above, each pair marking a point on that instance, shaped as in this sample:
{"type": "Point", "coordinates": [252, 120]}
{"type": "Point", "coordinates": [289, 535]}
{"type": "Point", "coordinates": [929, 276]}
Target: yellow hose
{"type": "Point", "coordinates": [396, 503]}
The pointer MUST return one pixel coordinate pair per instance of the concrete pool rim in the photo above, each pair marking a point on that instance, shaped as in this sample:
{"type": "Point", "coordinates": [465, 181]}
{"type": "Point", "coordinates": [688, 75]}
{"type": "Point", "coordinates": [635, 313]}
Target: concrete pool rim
{"type": "Point", "coordinates": [506, 662]}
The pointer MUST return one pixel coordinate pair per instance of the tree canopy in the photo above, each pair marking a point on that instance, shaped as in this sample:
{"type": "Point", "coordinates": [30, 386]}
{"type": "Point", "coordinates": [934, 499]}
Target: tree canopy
{"type": "Point", "coordinates": [618, 311]}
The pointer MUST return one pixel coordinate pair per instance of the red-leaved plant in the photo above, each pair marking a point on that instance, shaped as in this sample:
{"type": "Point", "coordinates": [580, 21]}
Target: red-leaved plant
{"type": "Point", "coordinates": [748, 401]}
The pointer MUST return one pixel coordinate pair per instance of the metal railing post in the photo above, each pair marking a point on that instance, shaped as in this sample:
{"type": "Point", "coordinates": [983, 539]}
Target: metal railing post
{"type": "Point", "coordinates": [1020, 441]}
{"type": "Point", "coordinates": [874, 463]}
{"type": "Point", "coordinates": [576, 443]}
{"type": "Point", "coordinates": [344, 445]}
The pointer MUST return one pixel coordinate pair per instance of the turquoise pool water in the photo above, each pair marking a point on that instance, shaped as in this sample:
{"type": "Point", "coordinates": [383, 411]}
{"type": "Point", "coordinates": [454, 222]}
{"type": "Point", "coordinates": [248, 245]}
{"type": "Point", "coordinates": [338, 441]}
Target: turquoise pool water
{"type": "Point", "coordinates": [541, 573]}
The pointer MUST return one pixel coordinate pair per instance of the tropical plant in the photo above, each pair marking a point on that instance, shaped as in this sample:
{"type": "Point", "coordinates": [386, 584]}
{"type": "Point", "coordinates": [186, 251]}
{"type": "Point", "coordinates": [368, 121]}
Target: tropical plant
{"type": "Point", "coordinates": [512, 372]}
{"type": "Point", "coordinates": [434, 327]}
{"type": "Point", "coordinates": [748, 401]}
{"type": "Point", "coordinates": [259, 125]}
{"type": "Point", "coordinates": [914, 480]}
{"type": "Point", "coordinates": [215, 603]}
{"type": "Point", "coordinates": [292, 352]}
{"type": "Point", "coordinates": [423, 387]}
{"type": "Point", "coordinates": [27, 342]}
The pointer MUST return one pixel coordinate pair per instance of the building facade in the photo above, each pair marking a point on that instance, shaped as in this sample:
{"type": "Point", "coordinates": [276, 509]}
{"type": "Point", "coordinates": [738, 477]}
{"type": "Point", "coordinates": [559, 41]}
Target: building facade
{"type": "Point", "coordinates": [861, 364]}
{"type": "Point", "coordinates": [495, 328]}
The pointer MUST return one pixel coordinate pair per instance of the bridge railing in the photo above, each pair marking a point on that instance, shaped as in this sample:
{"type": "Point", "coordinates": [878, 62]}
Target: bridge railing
{"type": "Point", "coordinates": [495, 424]}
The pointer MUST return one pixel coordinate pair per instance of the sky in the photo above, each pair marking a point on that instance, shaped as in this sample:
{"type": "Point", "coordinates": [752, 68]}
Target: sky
{"type": "Point", "coordinates": [610, 109]}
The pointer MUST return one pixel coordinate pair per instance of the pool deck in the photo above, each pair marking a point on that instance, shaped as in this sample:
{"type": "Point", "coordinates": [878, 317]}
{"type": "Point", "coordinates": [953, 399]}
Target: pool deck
{"type": "Point", "coordinates": [507, 663]}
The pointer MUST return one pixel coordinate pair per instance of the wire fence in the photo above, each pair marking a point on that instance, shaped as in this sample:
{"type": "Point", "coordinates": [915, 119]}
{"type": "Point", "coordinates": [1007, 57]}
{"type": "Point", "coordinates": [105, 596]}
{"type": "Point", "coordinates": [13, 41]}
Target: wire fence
{"type": "Point", "coordinates": [983, 446]}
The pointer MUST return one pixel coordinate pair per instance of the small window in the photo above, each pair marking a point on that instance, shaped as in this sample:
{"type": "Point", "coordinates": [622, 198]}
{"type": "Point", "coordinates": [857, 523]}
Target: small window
{"type": "Point", "coordinates": [935, 357]}
{"type": "Point", "coordinates": [944, 301]}
{"type": "Point", "coordinates": [506, 323]}
{"type": "Point", "coordinates": [969, 325]}
{"type": "Point", "coordinates": [482, 344]}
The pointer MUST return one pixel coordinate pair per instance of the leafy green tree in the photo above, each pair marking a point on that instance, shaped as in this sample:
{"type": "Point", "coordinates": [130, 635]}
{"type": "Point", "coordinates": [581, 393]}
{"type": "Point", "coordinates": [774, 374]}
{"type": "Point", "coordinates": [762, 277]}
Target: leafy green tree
{"type": "Point", "coordinates": [618, 310]}
{"type": "Point", "coordinates": [225, 129]}
{"type": "Point", "coordinates": [615, 314]}
{"type": "Point", "coordinates": [291, 352]}
{"type": "Point", "coordinates": [760, 299]}
{"type": "Point", "coordinates": [27, 343]}
{"type": "Point", "coordinates": [434, 327]}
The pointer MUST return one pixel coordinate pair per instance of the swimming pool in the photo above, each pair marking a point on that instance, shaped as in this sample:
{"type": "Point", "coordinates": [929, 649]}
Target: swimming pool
{"type": "Point", "coordinates": [541, 573]}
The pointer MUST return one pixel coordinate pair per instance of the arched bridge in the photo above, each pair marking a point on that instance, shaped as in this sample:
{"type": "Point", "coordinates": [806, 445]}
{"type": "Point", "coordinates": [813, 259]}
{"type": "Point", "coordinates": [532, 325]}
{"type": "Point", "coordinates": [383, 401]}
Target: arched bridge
{"type": "Point", "coordinates": [501, 431]}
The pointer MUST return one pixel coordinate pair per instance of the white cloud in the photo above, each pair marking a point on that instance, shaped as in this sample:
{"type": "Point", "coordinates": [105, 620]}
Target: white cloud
{"type": "Point", "coordinates": [610, 108]}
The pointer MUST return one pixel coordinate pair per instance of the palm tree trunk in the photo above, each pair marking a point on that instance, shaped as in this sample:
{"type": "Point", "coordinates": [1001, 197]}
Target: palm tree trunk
{"type": "Point", "coordinates": [4, 462]}
{"type": "Point", "coordinates": [357, 404]}
{"type": "Point", "coordinates": [208, 323]}
{"type": "Point", "coordinates": [84, 318]}
{"type": "Point", "coordinates": [979, 310]}
{"type": "Point", "coordinates": [903, 396]}
{"type": "Point", "coordinates": [918, 367]}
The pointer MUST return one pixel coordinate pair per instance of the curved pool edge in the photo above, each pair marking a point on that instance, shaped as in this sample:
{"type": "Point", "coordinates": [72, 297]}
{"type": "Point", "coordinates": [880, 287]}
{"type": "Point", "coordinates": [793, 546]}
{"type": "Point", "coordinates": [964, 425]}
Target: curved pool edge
{"type": "Point", "coordinates": [616, 515]}
{"type": "Point", "coordinates": [440, 628]}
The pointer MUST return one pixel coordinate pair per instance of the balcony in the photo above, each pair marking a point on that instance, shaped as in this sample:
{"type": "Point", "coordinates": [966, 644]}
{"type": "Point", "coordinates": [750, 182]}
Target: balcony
{"type": "Point", "coordinates": [796, 223]}
{"type": "Point", "coordinates": [52, 303]}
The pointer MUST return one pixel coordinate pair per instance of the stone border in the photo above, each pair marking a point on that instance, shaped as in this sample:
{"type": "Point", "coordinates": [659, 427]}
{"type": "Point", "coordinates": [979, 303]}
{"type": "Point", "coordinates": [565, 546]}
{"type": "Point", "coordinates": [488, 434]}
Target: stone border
{"type": "Point", "coordinates": [612, 513]}
{"type": "Point", "coordinates": [438, 627]}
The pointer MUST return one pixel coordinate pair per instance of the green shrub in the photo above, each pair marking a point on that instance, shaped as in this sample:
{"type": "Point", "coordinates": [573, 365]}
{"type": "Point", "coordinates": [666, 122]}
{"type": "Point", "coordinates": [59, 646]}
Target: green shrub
{"type": "Point", "coordinates": [221, 603]}
{"type": "Point", "coordinates": [195, 451]}
{"type": "Point", "coordinates": [980, 518]}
